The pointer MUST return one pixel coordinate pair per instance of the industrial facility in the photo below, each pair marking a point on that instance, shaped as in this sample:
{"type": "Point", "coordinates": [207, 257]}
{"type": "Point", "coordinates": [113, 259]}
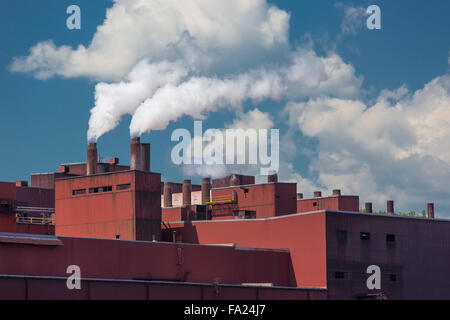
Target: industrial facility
{"type": "Point", "coordinates": [134, 236]}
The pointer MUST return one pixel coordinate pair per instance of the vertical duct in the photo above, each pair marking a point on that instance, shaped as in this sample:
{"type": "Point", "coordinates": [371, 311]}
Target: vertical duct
{"type": "Point", "coordinates": [167, 194]}
{"type": "Point", "coordinates": [337, 192]}
{"type": "Point", "coordinates": [139, 155]}
{"type": "Point", "coordinates": [135, 155]}
{"type": "Point", "coordinates": [317, 194]}
{"type": "Point", "coordinates": [206, 189]}
{"type": "Point", "coordinates": [430, 210]}
{"type": "Point", "coordinates": [91, 164]}
{"type": "Point", "coordinates": [273, 177]}
{"type": "Point", "coordinates": [187, 189]}
{"type": "Point", "coordinates": [368, 207]}
{"type": "Point", "coordinates": [390, 207]}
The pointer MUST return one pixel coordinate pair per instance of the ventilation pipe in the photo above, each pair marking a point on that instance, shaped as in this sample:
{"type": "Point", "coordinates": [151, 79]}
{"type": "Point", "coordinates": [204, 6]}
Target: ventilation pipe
{"type": "Point", "coordinates": [390, 207]}
{"type": "Point", "coordinates": [187, 189]}
{"type": "Point", "coordinates": [91, 164]}
{"type": "Point", "coordinates": [167, 194]}
{"type": "Point", "coordinates": [139, 155]}
{"type": "Point", "coordinates": [430, 210]}
{"type": "Point", "coordinates": [368, 207]}
{"type": "Point", "coordinates": [206, 189]}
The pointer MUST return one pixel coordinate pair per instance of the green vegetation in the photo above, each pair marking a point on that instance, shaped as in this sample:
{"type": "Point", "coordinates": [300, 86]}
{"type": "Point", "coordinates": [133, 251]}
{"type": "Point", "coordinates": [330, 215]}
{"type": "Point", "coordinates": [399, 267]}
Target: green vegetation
{"type": "Point", "coordinates": [422, 214]}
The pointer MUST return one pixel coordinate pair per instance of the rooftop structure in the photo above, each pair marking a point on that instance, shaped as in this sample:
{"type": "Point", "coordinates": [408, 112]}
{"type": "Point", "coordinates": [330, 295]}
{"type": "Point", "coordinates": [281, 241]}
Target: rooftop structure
{"type": "Point", "coordinates": [128, 229]}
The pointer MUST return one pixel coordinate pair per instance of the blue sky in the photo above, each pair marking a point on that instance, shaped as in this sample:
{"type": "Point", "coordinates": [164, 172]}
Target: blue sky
{"type": "Point", "coordinates": [44, 121]}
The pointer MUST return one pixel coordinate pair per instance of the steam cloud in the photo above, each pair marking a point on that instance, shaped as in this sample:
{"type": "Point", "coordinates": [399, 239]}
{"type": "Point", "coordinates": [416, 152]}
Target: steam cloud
{"type": "Point", "coordinates": [157, 93]}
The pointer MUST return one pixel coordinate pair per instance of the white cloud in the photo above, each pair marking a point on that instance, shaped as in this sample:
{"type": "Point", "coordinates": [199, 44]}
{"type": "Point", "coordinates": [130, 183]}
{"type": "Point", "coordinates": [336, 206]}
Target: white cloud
{"type": "Point", "coordinates": [157, 93]}
{"type": "Point", "coordinates": [253, 119]}
{"type": "Point", "coordinates": [153, 29]}
{"type": "Point", "coordinates": [306, 74]}
{"type": "Point", "coordinates": [353, 19]}
{"type": "Point", "coordinates": [397, 148]}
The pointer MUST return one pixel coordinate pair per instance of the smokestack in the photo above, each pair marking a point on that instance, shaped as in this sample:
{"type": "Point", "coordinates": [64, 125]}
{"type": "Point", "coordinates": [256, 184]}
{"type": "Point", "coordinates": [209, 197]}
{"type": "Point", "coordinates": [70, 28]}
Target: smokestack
{"type": "Point", "coordinates": [139, 155]}
{"type": "Point", "coordinates": [299, 196]}
{"type": "Point", "coordinates": [273, 177]}
{"type": "Point", "coordinates": [91, 164]}
{"type": "Point", "coordinates": [317, 194]}
{"type": "Point", "coordinates": [369, 207]}
{"type": "Point", "coordinates": [337, 192]}
{"type": "Point", "coordinates": [167, 194]}
{"type": "Point", "coordinates": [187, 189]}
{"type": "Point", "coordinates": [206, 188]}
{"type": "Point", "coordinates": [390, 207]}
{"type": "Point", "coordinates": [430, 210]}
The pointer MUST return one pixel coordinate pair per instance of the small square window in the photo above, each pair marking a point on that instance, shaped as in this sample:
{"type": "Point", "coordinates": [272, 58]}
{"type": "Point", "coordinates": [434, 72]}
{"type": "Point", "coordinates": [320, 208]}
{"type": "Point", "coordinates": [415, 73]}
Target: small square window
{"type": "Point", "coordinates": [365, 235]}
{"type": "Point", "coordinates": [118, 236]}
{"type": "Point", "coordinates": [393, 277]}
{"type": "Point", "coordinates": [315, 204]}
{"type": "Point", "coordinates": [342, 236]}
{"type": "Point", "coordinates": [339, 275]}
{"type": "Point", "coordinates": [390, 237]}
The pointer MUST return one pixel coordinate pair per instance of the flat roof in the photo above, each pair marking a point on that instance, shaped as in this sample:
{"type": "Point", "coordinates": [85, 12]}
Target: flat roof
{"type": "Point", "coordinates": [379, 215]}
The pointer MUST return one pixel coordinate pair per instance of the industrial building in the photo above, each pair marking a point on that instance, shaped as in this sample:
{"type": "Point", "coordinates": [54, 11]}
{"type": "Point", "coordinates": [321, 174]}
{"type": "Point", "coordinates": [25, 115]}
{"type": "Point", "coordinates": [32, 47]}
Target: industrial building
{"type": "Point", "coordinates": [135, 236]}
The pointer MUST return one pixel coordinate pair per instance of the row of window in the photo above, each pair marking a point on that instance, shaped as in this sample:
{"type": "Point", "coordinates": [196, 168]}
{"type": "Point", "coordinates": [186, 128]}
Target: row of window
{"type": "Point", "coordinates": [342, 236]}
{"type": "Point", "coordinates": [101, 189]}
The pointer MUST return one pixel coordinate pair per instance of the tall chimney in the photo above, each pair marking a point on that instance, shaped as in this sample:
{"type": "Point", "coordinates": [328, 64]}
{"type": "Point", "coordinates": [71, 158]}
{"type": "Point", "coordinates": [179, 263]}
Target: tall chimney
{"type": "Point", "coordinates": [317, 194]}
{"type": "Point", "coordinates": [139, 155]}
{"type": "Point", "coordinates": [187, 189]}
{"type": "Point", "coordinates": [206, 189]}
{"type": "Point", "coordinates": [336, 192]}
{"type": "Point", "coordinates": [430, 210]}
{"type": "Point", "coordinates": [390, 207]}
{"type": "Point", "coordinates": [91, 164]}
{"type": "Point", "coordinates": [273, 177]}
{"type": "Point", "coordinates": [167, 194]}
{"type": "Point", "coordinates": [369, 207]}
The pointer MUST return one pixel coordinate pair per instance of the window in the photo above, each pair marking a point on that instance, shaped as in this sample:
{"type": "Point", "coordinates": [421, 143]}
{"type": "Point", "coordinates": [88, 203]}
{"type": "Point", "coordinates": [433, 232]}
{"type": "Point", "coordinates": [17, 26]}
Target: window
{"type": "Point", "coordinates": [315, 204]}
{"type": "Point", "coordinates": [365, 235]}
{"type": "Point", "coordinates": [341, 236]}
{"type": "Point", "coordinates": [105, 189]}
{"type": "Point", "coordinates": [123, 186]}
{"type": "Point", "coordinates": [390, 237]}
{"type": "Point", "coordinates": [245, 190]}
{"type": "Point", "coordinates": [79, 191]}
{"type": "Point", "coordinates": [118, 236]}
{"type": "Point", "coordinates": [393, 277]}
{"type": "Point", "coordinates": [339, 275]}
{"type": "Point", "coordinates": [100, 189]}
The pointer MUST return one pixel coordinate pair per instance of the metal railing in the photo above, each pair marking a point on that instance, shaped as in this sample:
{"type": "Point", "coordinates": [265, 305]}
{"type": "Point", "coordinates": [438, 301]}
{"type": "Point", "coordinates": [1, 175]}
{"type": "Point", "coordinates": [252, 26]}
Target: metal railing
{"type": "Point", "coordinates": [35, 220]}
{"type": "Point", "coordinates": [35, 209]}
{"type": "Point", "coordinates": [220, 200]}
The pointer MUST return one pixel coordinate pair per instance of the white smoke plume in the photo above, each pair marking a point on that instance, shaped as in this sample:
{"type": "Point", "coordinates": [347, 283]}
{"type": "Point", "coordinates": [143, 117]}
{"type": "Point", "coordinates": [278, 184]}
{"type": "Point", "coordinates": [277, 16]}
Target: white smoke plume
{"type": "Point", "coordinates": [112, 101]}
{"type": "Point", "coordinates": [155, 94]}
